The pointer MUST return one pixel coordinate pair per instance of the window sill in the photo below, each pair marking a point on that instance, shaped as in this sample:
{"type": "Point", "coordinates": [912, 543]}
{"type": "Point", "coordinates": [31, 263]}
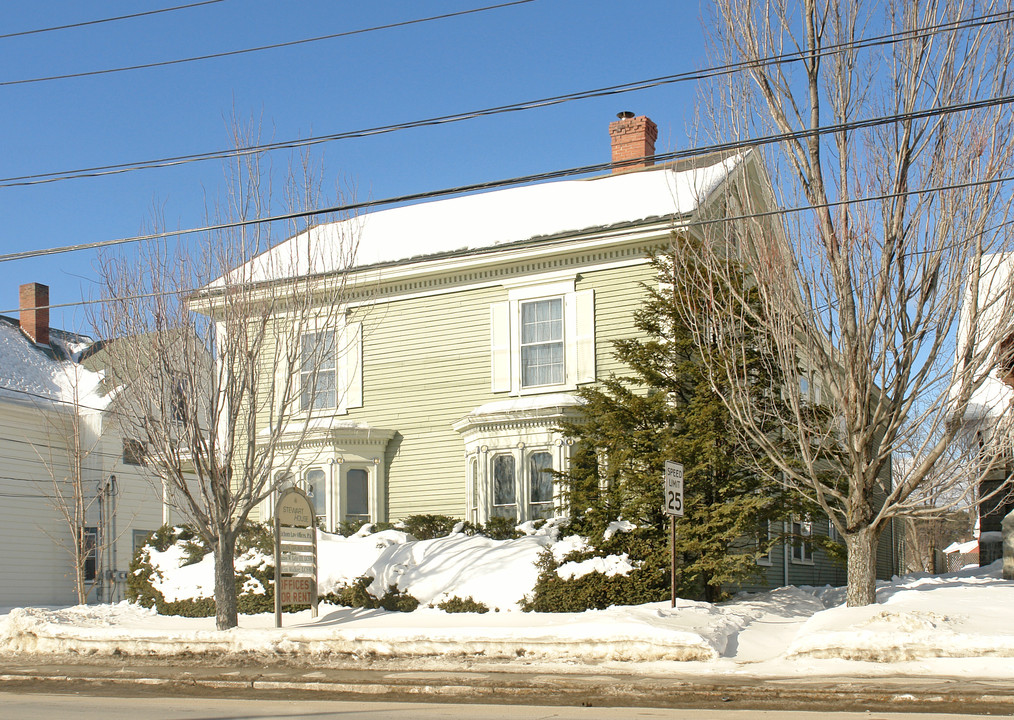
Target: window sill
{"type": "Point", "coordinates": [545, 389]}
{"type": "Point", "coordinates": [793, 561]}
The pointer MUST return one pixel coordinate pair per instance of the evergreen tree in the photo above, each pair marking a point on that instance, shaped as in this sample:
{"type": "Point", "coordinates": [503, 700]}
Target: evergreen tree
{"type": "Point", "coordinates": [666, 409]}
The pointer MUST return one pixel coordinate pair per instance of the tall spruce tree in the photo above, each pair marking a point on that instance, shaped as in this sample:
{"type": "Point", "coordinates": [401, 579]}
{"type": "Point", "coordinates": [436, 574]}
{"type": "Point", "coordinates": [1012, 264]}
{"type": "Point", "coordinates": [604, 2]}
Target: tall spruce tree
{"type": "Point", "coordinates": [667, 410]}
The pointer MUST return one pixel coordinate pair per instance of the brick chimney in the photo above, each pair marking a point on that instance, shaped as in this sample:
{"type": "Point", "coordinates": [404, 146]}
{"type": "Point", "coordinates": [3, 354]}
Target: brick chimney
{"type": "Point", "coordinates": [633, 140]}
{"type": "Point", "coordinates": [35, 311]}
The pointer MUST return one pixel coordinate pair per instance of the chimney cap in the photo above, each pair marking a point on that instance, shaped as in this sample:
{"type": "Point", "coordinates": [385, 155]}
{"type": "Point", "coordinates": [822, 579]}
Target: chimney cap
{"type": "Point", "coordinates": [625, 115]}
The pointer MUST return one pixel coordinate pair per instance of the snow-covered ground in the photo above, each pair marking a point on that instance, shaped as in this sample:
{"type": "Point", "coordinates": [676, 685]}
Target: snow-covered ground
{"type": "Point", "coordinates": [959, 624]}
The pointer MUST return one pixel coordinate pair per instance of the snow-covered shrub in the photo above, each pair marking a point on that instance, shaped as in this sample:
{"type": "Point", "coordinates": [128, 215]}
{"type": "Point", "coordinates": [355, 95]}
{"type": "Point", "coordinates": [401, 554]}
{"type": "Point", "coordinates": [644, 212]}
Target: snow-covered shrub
{"type": "Point", "coordinates": [254, 572]}
{"type": "Point", "coordinates": [358, 595]}
{"type": "Point", "coordinates": [500, 528]}
{"type": "Point", "coordinates": [427, 527]}
{"type": "Point", "coordinates": [462, 605]}
{"type": "Point", "coordinates": [622, 567]}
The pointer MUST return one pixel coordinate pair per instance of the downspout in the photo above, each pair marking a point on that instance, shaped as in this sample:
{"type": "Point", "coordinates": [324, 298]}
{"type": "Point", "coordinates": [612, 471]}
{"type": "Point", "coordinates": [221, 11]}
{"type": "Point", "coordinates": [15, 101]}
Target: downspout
{"type": "Point", "coordinates": [785, 556]}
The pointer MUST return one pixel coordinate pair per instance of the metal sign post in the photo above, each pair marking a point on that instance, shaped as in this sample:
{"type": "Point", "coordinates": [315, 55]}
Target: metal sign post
{"type": "Point", "coordinates": [295, 553]}
{"type": "Point", "coordinates": [672, 492]}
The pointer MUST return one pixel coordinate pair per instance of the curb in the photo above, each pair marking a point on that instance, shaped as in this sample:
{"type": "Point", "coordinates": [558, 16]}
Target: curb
{"type": "Point", "coordinates": [564, 690]}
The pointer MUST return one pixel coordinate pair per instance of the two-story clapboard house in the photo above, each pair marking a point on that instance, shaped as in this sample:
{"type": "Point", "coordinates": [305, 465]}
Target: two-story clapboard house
{"type": "Point", "coordinates": [473, 322]}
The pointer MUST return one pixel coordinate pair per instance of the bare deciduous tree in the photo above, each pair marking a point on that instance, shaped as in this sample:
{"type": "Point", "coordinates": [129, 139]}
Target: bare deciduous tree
{"type": "Point", "coordinates": [890, 181]}
{"type": "Point", "coordinates": [223, 352]}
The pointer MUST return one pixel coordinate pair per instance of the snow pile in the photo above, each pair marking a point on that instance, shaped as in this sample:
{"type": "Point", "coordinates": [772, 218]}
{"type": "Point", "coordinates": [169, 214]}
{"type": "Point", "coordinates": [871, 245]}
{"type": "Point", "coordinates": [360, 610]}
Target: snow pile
{"type": "Point", "coordinates": [609, 566]}
{"type": "Point", "coordinates": [178, 581]}
{"type": "Point", "coordinates": [955, 624]}
{"type": "Point", "coordinates": [962, 614]}
{"type": "Point", "coordinates": [497, 573]}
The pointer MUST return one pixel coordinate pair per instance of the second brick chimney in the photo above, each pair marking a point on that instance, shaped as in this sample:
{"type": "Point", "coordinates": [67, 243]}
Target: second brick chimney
{"type": "Point", "coordinates": [34, 304]}
{"type": "Point", "coordinates": [633, 141]}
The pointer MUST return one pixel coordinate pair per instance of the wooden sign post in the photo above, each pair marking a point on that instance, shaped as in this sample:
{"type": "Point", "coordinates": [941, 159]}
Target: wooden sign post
{"type": "Point", "coordinates": [295, 552]}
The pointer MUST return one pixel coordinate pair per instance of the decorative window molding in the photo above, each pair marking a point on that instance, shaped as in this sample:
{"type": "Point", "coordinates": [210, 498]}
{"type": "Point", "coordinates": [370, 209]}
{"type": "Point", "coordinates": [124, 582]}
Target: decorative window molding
{"type": "Point", "coordinates": [542, 338]}
{"type": "Point", "coordinates": [331, 370]}
{"type": "Point", "coordinates": [512, 447]}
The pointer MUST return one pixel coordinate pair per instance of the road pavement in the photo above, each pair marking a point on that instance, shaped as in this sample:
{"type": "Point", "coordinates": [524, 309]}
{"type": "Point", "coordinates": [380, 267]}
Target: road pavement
{"type": "Point", "coordinates": [46, 707]}
{"type": "Point", "coordinates": [300, 678]}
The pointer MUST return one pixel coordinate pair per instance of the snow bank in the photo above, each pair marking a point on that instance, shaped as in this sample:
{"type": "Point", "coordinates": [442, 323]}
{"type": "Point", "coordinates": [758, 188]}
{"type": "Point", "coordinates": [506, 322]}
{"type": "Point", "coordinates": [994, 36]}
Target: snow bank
{"type": "Point", "coordinates": [963, 614]}
{"type": "Point", "coordinates": [785, 632]}
{"type": "Point", "coordinates": [642, 633]}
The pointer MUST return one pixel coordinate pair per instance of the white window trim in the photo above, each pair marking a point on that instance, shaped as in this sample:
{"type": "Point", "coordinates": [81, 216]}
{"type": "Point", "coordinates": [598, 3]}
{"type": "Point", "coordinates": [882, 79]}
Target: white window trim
{"type": "Point", "coordinates": [767, 560]}
{"type": "Point", "coordinates": [578, 336]}
{"type": "Point", "coordinates": [348, 370]}
{"type": "Point", "coordinates": [806, 530]}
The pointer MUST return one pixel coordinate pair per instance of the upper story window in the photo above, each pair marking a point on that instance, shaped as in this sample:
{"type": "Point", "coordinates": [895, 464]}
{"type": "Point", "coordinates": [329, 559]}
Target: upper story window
{"type": "Point", "coordinates": [330, 375]}
{"type": "Point", "coordinates": [542, 342]}
{"type": "Point", "coordinates": [800, 550]}
{"type": "Point", "coordinates": [543, 338]}
{"type": "Point", "coordinates": [133, 452]}
{"type": "Point", "coordinates": [317, 371]}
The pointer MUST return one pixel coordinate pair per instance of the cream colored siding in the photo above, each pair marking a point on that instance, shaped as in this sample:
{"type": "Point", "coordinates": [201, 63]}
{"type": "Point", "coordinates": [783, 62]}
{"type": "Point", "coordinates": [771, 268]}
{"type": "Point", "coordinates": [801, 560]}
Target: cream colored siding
{"type": "Point", "coordinates": [427, 363]}
{"type": "Point", "coordinates": [618, 294]}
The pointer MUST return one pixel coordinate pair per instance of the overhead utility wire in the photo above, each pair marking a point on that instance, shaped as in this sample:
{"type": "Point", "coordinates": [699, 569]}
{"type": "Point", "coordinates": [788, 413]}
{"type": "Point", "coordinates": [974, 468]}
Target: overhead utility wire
{"type": "Point", "coordinates": [715, 71]}
{"type": "Point", "coordinates": [526, 179]}
{"type": "Point", "coordinates": [692, 223]}
{"type": "Point", "coordinates": [107, 20]}
{"type": "Point", "coordinates": [274, 46]}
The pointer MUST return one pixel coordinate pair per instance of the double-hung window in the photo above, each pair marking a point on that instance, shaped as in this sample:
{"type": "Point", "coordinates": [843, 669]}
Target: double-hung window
{"type": "Point", "coordinates": [800, 550]}
{"type": "Point", "coordinates": [542, 342]}
{"type": "Point", "coordinates": [542, 338]}
{"type": "Point", "coordinates": [317, 371]}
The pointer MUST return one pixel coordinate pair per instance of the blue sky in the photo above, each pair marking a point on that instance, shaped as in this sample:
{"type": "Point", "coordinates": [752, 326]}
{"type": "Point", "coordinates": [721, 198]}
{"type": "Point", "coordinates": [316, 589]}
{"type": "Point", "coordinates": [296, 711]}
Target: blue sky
{"type": "Point", "coordinates": [538, 49]}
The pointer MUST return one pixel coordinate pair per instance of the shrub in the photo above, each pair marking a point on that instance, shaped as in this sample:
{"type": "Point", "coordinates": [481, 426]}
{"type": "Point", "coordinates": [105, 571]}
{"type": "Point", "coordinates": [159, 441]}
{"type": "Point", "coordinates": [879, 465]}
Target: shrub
{"type": "Point", "coordinates": [358, 595]}
{"type": "Point", "coordinates": [141, 590]}
{"type": "Point", "coordinates": [427, 527]}
{"type": "Point", "coordinates": [647, 582]}
{"type": "Point", "coordinates": [501, 528]}
{"type": "Point", "coordinates": [462, 605]}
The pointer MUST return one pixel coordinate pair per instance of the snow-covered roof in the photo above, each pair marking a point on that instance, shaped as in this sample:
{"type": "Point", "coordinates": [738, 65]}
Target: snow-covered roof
{"type": "Point", "coordinates": [496, 218]}
{"type": "Point", "coordinates": [33, 374]}
{"type": "Point", "coordinates": [531, 403]}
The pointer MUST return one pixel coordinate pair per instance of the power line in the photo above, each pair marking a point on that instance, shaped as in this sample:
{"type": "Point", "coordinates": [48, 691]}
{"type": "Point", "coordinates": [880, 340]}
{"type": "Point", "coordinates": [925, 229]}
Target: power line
{"type": "Point", "coordinates": [108, 20]}
{"type": "Point", "coordinates": [245, 51]}
{"type": "Point", "coordinates": [534, 178]}
{"type": "Point", "coordinates": [692, 223]}
{"type": "Point", "coordinates": [707, 73]}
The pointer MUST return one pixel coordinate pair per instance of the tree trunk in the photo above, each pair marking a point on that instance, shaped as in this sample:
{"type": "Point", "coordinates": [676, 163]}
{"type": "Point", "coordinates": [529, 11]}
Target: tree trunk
{"type": "Point", "coordinates": [862, 568]}
{"type": "Point", "coordinates": [226, 612]}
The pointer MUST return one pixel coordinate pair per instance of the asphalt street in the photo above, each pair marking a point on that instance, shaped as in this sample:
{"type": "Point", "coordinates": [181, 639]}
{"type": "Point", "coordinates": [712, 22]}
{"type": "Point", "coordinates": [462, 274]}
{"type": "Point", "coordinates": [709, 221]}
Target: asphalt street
{"type": "Point", "coordinates": [292, 678]}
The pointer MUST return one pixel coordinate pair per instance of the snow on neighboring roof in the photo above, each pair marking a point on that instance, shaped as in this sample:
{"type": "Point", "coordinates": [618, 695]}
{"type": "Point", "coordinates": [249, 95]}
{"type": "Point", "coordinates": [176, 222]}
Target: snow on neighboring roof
{"type": "Point", "coordinates": [494, 218]}
{"type": "Point", "coordinates": [29, 373]}
{"type": "Point", "coordinates": [991, 399]}
{"type": "Point", "coordinates": [962, 547]}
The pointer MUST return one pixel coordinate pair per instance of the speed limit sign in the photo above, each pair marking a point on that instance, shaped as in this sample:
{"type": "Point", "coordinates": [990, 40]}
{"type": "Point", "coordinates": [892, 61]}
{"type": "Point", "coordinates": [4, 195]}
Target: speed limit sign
{"type": "Point", "coordinates": [672, 488]}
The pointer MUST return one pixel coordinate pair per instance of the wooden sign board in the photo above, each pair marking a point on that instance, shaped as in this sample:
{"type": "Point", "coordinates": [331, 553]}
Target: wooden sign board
{"type": "Point", "coordinates": [295, 552]}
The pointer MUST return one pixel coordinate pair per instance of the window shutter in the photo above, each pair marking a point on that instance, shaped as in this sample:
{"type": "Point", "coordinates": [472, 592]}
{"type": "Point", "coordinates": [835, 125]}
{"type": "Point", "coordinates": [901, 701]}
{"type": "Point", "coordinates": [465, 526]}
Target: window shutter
{"type": "Point", "coordinates": [500, 346]}
{"type": "Point", "coordinates": [584, 336]}
{"type": "Point", "coordinates": [352, 364]}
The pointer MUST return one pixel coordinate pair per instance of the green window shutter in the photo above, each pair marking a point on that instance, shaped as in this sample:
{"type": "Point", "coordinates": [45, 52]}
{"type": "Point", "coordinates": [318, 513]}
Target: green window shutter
{"type": "Point", "coordinates": [500, 346]}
